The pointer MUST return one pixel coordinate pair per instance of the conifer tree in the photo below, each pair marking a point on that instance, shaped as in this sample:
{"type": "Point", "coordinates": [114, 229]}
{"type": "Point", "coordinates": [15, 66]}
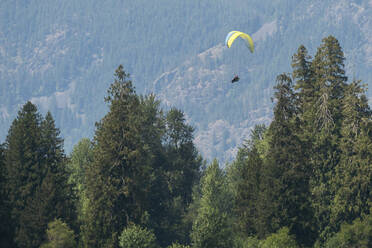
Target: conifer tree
{"type": "Point", "coordinates": [182, 173]}
{"type": "Point", "coordinates": [24, 173]}
{"type": "Point", "coordinates": [182, 155]}
{"type": "Point", "coordinates": [352, 180]}
{"type": "Point", "coordinates": [36, 176]}
{"type": "Point", "coordinates": [271, 208]}
{"type": "Point", "coordinates": [122, 179]}
{"type": "Point", "coordinates": [245, 175]}
{"type": "Point", "coordinates": [330, 80]}
{"type": "Point", "coordinates": [285, 182]}
{"type": "Point", "coordinates": [304, 83]}
{"type": "Point", "coordinates": [6, 231]}
{"type": "Point", "coordinates": [56, 191]}
{"type": "Point", "coordinates": [303, 76]}
{"type": "Point", "coordinates": [329, 75]}
{"type": "Point", "coordinates": [212, 227]}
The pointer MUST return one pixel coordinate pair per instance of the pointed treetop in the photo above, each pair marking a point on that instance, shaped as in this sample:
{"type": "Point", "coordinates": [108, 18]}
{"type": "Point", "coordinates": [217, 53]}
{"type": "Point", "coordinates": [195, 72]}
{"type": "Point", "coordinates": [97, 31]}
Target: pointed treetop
{"type": "Point", "coordinates": [121, 87]}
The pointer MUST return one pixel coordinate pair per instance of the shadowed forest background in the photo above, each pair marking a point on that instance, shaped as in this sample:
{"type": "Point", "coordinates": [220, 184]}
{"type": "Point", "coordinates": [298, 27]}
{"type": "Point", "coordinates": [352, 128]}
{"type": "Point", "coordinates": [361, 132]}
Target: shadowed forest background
{"type": "Point", "coordinates": [61, 55]}
{"type": "Point", "coordinates": [302, 181]}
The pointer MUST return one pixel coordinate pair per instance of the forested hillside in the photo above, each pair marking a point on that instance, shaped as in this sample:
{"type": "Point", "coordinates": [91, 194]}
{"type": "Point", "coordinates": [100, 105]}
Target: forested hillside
{"type": "Point", "coordinates": [60, 55]}
{"type": "Point", "coordinates": [303, 180]}
{"type": "Point", "coordinates": [223, 113]}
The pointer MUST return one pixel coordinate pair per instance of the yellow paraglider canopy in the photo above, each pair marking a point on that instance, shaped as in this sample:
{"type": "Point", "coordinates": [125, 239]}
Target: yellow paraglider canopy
{"type": "Point", "coordinates": [231, 37]}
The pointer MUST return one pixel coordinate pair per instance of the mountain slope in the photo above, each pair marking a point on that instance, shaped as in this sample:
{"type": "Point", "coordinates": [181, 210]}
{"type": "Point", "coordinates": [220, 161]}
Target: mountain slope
{"type": "Point", "coordinates": [62, 56]}
{"type": "Point", "coordinates": [223, 112]}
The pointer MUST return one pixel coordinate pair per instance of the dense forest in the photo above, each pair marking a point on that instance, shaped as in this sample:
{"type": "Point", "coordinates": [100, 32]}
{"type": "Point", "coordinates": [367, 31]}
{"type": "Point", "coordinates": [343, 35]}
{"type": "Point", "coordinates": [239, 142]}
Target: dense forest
{"type": "Point", "coordinates": [305, 180]}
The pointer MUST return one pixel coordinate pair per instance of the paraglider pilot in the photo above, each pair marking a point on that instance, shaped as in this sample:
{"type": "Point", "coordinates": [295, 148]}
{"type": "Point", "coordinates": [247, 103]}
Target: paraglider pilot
{"type": "Point", "coordinates": [235, 79]}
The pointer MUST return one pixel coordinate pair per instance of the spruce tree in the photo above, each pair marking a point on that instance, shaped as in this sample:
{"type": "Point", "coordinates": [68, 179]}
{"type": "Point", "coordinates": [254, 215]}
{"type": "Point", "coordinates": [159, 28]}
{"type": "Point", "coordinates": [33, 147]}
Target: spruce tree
{"type": "Point", "coordinates": [306, 91]}
{"type": "Point", "coordinates": [285, 181]}
{"type": "Point", "coordinates": [122, 179]}
{"type": "Point", "coordinates": [56, 191]}
{"type": "Point", "coordinates": [330, 81]}
{"type": "Point", "coordinates": [6, 231]}
{"type": "Point", "coordinates": [25, 173]}
{"type": "Point", "coordinates": [182, 173]}
{"type": "Point", "coordinates": [302, 74]}
{"type": "Point", "coordinates": [245, 175]}
{"type": "Point", "coordinates": [352, 180]}
{"type": "Point", "coordinates": [36, 176]}
{"type": "Point", "coordinates": [182, 155]}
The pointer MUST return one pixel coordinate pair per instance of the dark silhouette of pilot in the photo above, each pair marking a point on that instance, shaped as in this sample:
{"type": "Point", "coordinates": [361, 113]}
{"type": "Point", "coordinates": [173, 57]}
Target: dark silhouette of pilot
{"type": "Point", "coordinates": [235, 79]}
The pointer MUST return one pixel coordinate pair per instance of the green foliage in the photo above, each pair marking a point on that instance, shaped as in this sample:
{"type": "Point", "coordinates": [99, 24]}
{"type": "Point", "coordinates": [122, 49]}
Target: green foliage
{"type": "Point", "coordinates": [177, 245]}
{"type": "Point", "coordinates": [212, 227]}
{"type": "Point", "coordinates": [80, 159]}
{"type": "Point", "coordinates": [6, 234]}
{"type": "Point", "coordinates": [119, 175]}
{"type": "Point", "coordinates": [321, 85]}
{"type": "Point", "coordinates": [315, 172]}
{"type": "Point", "coordinates": [280, 239]}
{"type": "Point", "coordinates": [284, 197]}
{"type": "Point", "coordinates": [59, 235]}
{"type": "Point", "coordinates": [36, 176]}
{"type": "Point", "coordinates": [357, 234]}
{"type": "Point", "coordinates": [139, 183]}
{"type": "Point", "coordinates": [251, 242]}
{"type": "Point", "coordinates": [135, 236]}
{"type": "Point", "coordinates": [143, 169]}
{"type": "Point", "coordinates": [56, 190]}
{"type": "Point", "coordinates": [353, 174]}
{"type": "Point", "coordinates": [24, 174]}
{"type": "Point", "coordinates": [244, 179]}
{"type": "Point", "coordinates": [182, 173]}
{"type": "Point", "coordinates": [247, 242]}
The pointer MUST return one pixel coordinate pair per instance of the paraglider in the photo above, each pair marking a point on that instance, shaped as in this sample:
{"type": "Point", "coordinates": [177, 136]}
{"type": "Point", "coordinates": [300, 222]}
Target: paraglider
{"type": "Point", "coordinates": [231, 37]}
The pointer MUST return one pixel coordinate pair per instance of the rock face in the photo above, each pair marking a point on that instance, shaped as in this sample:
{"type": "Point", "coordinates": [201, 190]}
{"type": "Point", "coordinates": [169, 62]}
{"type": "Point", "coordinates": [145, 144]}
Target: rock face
{"type": "Point", "coordinates": [62, 55]}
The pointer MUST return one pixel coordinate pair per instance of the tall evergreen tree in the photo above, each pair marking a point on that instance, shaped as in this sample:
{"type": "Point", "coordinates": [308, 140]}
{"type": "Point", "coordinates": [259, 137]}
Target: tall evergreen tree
{"type": "Point", "coordinates": [285, 184]}
{"type": "Point", "coordinates": [245, 175]}
{"type": "Point", "coordinates": [303, 76]}
{"type": "Point", "coordinates": [124, 173]}
{"type": "Point", "coordinates": [182, 155]}
{"type": "Point", "coordinates": [352, 181]}
{"type": "Point", "coordinates": [6, 231]}
{"type": "Point", "coordinates": [329, 75]}
{"type": "Point", "coordinates": [304, 83]}
{"type": "Point", "coordinates": [182, 173]}
{"type": "Point", "coordinates": [36, 176]}
{"type": "Point", "coordinates": [56, 190]}
{"type": "Point", "coordinates": [330, 79]}
{"type": "Point", "coordinates": [24, 173]}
